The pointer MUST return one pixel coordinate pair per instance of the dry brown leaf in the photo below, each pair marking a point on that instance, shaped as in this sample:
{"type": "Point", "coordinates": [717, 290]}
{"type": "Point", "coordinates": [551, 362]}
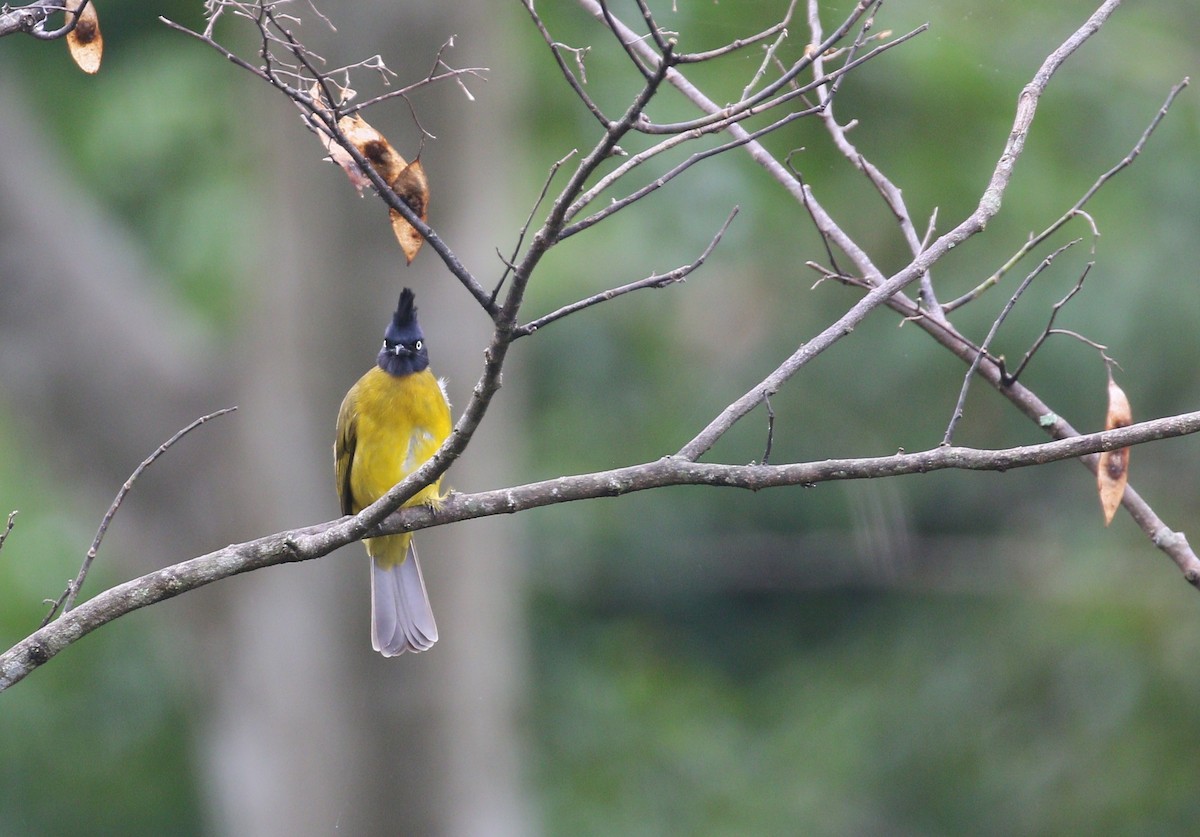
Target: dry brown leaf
{"type": "Point", "coordinates": [369, 142]}
{"type": "Point", "coordinates": [410, 240]}
{"type": "Point", "coordinates": [338, 155]}
{"type": "Point", "coordinates": [84, 41]}
{"type": "Point", "coordinates": [406, 179]}
{"type": "Point", "coordinates": [374, 146]}
{"type": "Point", "coordinates": [412, 187]}
{"type": "Point", "coordinates": [1113, 471]}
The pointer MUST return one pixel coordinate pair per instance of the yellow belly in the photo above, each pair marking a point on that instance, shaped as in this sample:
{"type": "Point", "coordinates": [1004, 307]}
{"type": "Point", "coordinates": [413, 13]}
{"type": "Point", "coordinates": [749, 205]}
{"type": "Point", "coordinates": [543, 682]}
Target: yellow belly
{"type": "Point", "coordinates": [396, 425]}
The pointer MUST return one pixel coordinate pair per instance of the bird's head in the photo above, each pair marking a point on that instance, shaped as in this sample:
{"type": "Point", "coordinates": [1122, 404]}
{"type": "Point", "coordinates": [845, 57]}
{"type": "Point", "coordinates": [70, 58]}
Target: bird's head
{"type": "Point", "coordinates": [404, 350]}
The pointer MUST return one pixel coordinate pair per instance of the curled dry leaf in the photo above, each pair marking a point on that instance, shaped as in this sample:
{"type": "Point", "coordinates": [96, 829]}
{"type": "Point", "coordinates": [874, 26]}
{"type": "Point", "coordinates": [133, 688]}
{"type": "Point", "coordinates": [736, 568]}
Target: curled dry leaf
{"type": "Point", "coordinates": [1113, 472]}
{"type": "Point", "coordinates": [411, 187]}
{"type": "Point", "coordinates": [374, 146]}
{"type": "Point", "coordinates": [369, 142]}
{"type": "Point", "coordinates": [84, 41]}
{"type": "Point", "coordinates": [406, 179]}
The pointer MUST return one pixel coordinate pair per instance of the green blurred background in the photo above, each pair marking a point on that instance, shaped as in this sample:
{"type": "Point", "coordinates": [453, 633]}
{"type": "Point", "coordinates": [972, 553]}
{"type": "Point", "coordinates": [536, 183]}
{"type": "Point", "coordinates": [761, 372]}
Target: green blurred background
{"type": "Point", "coordinates": [954, 653]}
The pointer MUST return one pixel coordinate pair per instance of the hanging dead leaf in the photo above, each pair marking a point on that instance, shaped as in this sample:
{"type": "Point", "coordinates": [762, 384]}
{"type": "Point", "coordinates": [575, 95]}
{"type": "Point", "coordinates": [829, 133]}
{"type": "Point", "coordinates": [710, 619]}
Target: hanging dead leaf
{"type": "Point", "coordinates": [84, 41]}
{"type": "Point", "coordinates": [412, 187]}
{"type": "Point", "coordinates": [1113, 471]}
{"type": "Point", "coordinates": [374, 146]}
{"type": "Point", "coordinates": [406, 179]}
{"type": "Point", "coordinates": [369, 142]}
{"type": "Point", "coordinates": [410, 240]}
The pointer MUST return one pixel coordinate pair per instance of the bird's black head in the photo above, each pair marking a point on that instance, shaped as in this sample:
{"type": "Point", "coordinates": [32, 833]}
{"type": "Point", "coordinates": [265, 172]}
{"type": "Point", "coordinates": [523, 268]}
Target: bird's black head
{"type": "Point", "coordinates": [404, 350]}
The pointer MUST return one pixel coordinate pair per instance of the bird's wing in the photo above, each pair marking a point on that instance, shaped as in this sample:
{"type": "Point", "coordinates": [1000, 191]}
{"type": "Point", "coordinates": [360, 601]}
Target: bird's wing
{"type": "Point", "coordinates": [344, 444]}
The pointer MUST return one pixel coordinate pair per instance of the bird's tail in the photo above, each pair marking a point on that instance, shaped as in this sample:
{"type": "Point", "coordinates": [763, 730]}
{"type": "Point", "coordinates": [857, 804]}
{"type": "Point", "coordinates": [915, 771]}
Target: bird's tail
{"type": "Point", "coordinates": [401, 618]}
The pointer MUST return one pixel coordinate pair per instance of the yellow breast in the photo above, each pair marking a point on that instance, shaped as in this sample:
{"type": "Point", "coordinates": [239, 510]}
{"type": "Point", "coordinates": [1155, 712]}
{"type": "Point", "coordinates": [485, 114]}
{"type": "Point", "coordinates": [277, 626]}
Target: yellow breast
{"type": "Point", "coordinates": [387, 428]}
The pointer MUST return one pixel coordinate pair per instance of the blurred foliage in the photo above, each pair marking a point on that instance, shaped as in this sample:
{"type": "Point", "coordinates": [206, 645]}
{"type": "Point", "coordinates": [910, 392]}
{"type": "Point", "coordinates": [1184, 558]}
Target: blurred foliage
{"type": "Point", "coordinates": [958, 653]}
{"type": "Point", "coordinates": [97, 741]}
{"type": "Point", "coordinates": [158, 139]}
{"type": "Point", "coordinates": [867, 712]}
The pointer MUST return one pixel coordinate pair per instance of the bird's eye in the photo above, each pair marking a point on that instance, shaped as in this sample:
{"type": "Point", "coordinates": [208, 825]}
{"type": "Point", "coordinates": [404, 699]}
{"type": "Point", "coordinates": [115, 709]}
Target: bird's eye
{"type": "Point", "coordinates": [417, 346]}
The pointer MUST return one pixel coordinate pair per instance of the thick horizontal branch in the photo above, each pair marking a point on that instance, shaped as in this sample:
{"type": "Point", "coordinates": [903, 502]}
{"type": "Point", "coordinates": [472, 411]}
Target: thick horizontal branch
{"type": "Point", "coordinates": [320, 540]}
{"type": "Point", "coordinates": [675, 470]}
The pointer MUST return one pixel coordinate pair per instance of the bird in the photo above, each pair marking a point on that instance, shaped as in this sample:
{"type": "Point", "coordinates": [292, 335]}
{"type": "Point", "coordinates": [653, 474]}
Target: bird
{"type": "Point", "coordinates": [392, 420]}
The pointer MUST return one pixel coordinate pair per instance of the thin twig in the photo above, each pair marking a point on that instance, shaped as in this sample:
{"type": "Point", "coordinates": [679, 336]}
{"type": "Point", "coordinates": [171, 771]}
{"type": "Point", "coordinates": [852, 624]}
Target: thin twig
{"type": "Point", "coordinates": [1109, 361]}
{"type": "Point", "coordinates": [960, 405]}
{"type": "Point", "coordinates": [662, 180]}
{"type": "Point", "coordinates": [758, 103]}
{"type": "Point", "coordinates": [510, 262]}
{"type": "Point", "coordinates": [431, 77]}
{"type": "Point", "coordinates": [738, 110]}
{"type": "Point", "coordinates": [766, 457]}
{"type": "Point", "coordinates": [891, 194]}
{"type": "Point", "coordinates": [679, 274]}
{"type": "Point", "coordinates": [8, 527]}
{"type": "Point", "coordinates": [1048, 330]}
{"type": "Point", "coordinates": [556, 47]}
{"type": "Point", "coordinates": [72, 591]}
{"type": "Point", "coordinates": [825, 238]}
{"type": "Point", "coordinates": [1033, 242]}
{"type": "Point", "coordinates": [627, 43]}
{"type": "Point", "coordinates": [451, 73]}
{"type": "Point", "coordinates": [768, 57]}
{"type": "Point", "coordinates": [777, 30]}
{"type": "Point", "coordinates": [652, 26]}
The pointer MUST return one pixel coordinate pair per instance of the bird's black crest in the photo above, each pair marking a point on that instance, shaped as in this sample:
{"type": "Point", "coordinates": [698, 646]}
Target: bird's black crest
{"type": "Point", "coordinates": [406, 311]}
{"type": "Point", "coordinates": [404, 327]}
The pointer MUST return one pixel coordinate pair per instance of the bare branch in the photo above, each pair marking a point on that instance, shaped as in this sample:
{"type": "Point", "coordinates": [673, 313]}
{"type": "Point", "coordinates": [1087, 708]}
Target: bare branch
{"type": "Point", "coordinates": [659, 36]}
{"type": "Point", "coordinates": [679, 274]}
{"type": "Point", "coordinates": [31, 19]}
{"type": "Point", "coordinates": [556, 49]}
{"type": "Point", "coordinates": [989, 205]}
{"type": "Point", "coordinates": [1050, 329]}
{"type": "Point", "coordinates": [760, 103]}
{"type": "Point", "coordinates": [628, 43]}
{"type": "Point", "coordinates": [551, 229]}
{"type": "Point", "coordinates": [957, 415]}
{"type": "Point", "coordinates": [328, 118]}
{"type": "Point", "coordinates": [641, 52]}
{"type": "Point", "coordinates": [317, 541]}
{"type": "Point", "coordinates": [67, 600]}
{"type": "Point", "coordinates": [509, 263]}
{"type": "Point", "coordinates": [663, 179]}
{"type": "Point", "coordinates": [778, 31]}
{"type": "Point", "coordinates": [8, 527]}
{"type": "Point", "coordinates": [27, 18]}
{"type": "Point", "coordinates": [1075, 210]}
{"type": "Point", "coordinates": [432, 77]}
